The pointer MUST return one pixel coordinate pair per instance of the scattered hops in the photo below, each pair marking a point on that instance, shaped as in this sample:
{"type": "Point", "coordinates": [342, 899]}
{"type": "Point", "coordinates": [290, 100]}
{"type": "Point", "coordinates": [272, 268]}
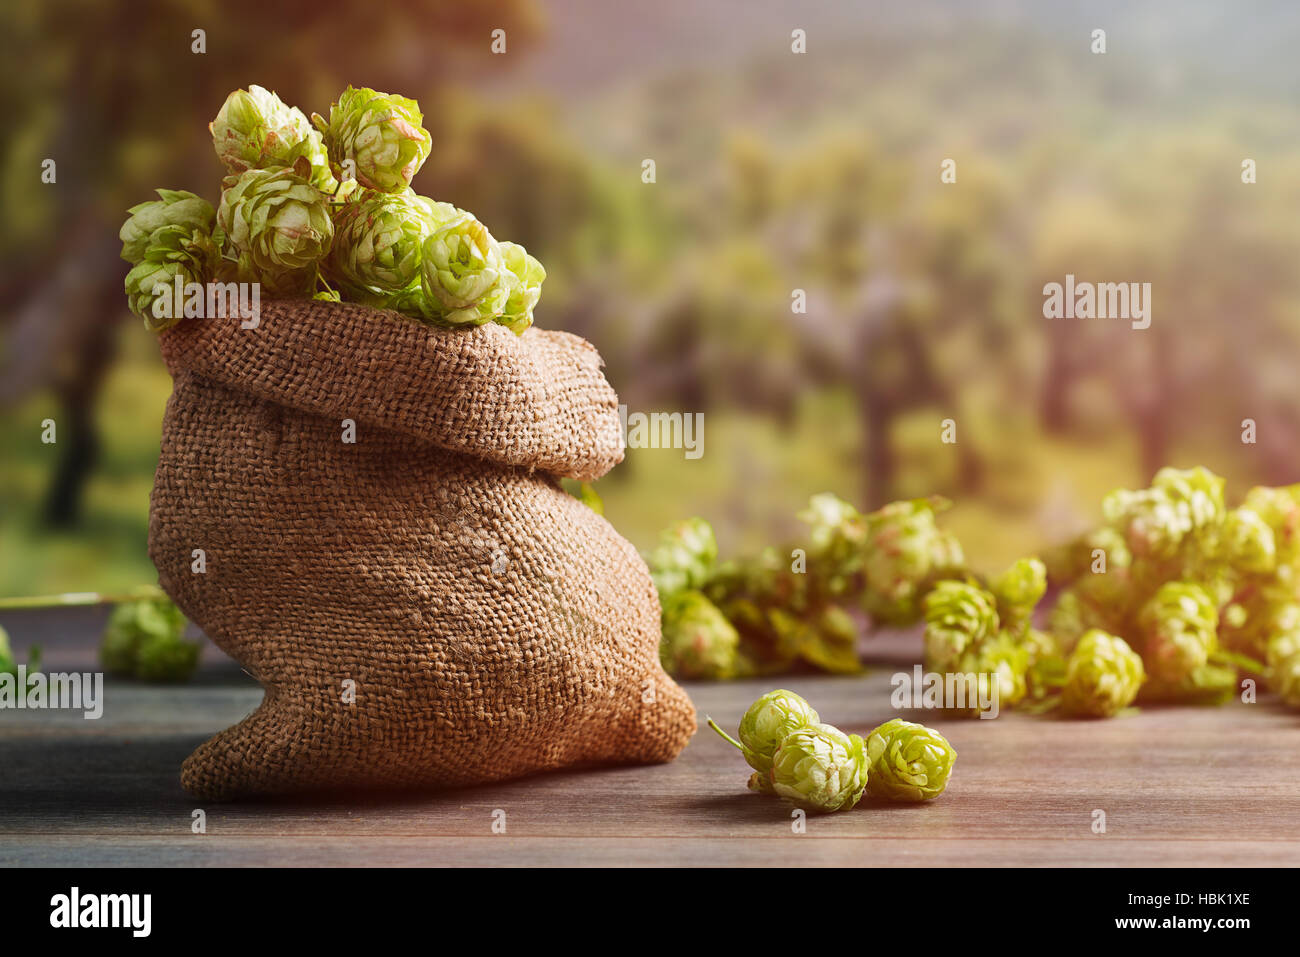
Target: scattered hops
{"type": "Point", "coordinates": [324, 210]}
{"type": "Point", "coordinates": [143, 640]}
{"type": "Point", "coordinates": [817, 767]}
{"type": "Point", "coordinates": [1103, 676]}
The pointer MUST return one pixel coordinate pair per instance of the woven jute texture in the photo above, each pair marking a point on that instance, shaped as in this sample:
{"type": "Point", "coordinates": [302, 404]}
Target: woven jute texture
{"type": "Point", "coordinates": [425, 606]}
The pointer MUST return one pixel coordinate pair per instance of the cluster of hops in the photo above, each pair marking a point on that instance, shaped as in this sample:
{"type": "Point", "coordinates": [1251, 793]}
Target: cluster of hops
{"type": "Point", "coordinates": [143, 639]}
{"type": "Point", "coordinates": [765, 613]}
{"type": "Point", "coordinates": [906, 553]}
{"type": "Point", "coordinates": [817, 767]}
{"type": "Point", "coordinates": [987, 630]}
{"type": "Point", "coordinates": [1201, 592]}
{"type": "Point", "coordinates": [324, 209]}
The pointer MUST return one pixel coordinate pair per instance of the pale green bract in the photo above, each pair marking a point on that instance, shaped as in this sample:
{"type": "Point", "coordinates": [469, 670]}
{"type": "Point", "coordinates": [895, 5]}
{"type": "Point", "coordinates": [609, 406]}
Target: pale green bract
{"type": "Point", "coordinates": [279, 226]}
{"type": "Point", "coordinates": [255, 129]}
{"type": "Point", "coordinates": [821, 769]}
{"type": "Point", "coordinates": [524, 276]}
{"type": "Point", "coordinates": [768, 721]}
{"type": "Point", "coordinates": [175, 207]}
{"type": "Point", "coordinates": [381, 134]}
{"type": "Point", "coordinates": [908, 761]}
{"type": "Point", "coordinates": [1103, 676]}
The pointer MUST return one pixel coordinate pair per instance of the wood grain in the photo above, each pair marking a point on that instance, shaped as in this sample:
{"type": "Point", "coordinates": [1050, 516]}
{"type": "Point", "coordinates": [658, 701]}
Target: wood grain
{"type": "Point", "coordinates": [1180, 787]}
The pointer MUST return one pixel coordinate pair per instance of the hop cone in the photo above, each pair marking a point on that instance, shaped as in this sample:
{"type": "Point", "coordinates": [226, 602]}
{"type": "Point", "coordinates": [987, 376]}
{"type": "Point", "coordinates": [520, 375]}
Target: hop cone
{"type": "Point", "coordinates": [1103, 676]}
{"type": "Point", "coordinates": [279, 226]}
{"type": "Point", "coordinates": [958, 616]}
{"type": "Point", "coordinates": [461, 273]}
{"type": "Point", "coordinates": [255, 129]}
{"type": "Point", "coordinates": [381, 133]}
{"type": "Point", "coordinates": [1284, 666]}
{"type": "Point", "coordinates": [1005, 660]}
{"type": "Point", "coordinates": [192, 255]}
{"type": "Point", "coordinates": [524, 276]}
{"type": "Point", "coordinates": [378, 241]}
{"type": "Point", "coordinates": [684, 557]}
{"type": "Point", "coordinates": [131, 624]}
{"type": "Point", "coordinates": [1280, 510]}
{"type": "Point", "coordinates": [1018, 590]}
{"type": "Point", "coordinates": [767, 723]}
{"type": "Point", "coordinates": [905, 551]}
{"type": "Point", "coordinates": [1179, 624]}
{"type": "Point", "coordinates": [819, 768]}
{"type": "Point", "coordinates": [908, 761]}
{"type": "Point", "coordinates": [698, 642]}
{"type": "Point", "coordinates": [1248, 541]}
{"type": "Point", "coordinates": [837, 535]}
{"type": "Point", "coordinates": [1179, 503]}
{"type": "Point", "coordinates": [176, 207]}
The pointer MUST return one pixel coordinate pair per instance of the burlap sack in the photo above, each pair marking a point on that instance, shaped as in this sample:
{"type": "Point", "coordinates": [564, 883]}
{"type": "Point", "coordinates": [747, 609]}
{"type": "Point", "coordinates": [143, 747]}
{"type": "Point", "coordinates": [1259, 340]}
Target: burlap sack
{"type": "Point", "coordinates": [425, 606]}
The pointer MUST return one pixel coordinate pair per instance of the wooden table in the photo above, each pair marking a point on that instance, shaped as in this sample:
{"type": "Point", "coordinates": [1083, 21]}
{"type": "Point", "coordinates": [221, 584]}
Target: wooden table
{"type": "Point", "coordinates": [1182, 787]}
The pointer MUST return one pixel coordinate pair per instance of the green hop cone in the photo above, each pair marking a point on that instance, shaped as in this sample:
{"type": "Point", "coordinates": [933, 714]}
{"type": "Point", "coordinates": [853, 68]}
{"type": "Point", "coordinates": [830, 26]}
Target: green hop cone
{"type": "Point", "coordinates": [279, 226]}
{"type": "Point", "coordinates": [1248, 541]}
{"type": "Point", "coordinates": [524, 276]}
{"type": "Point", "coordinates": [461, 273]}
{"type": "Point", "coordinates": [164, 659]}
{"type": "Point", "coordinates": [176, 207]}
{"type": "Point", "coordinates": [698, 642]}
{"type": "Point", "coordinates": [1103, 676]}
{"type": "Point", "coordinates": [958, 616]}
{"type": "Point", "coordinates": [1284, 666]}
{"type": "Point", "coordinates": [381, 134]}
{"type": "Point", "coordinates": [767, 723]}
{"type": "Point", "coordinates": [905, 551]}
{"type": "Point", "coordinates": [1179, 626]}
{"type": "Point", "coordinates": [1005, 660]}
{"type": "Point", "coordinates": [819, 768]}
{"type": "Point", "coordinates": [174, 252]}
{"type": "Point", "coordinates": [378, 243]}
{"type": "Point", "coordinates": [133, 623]}
{"type": "Point", "coordinates": [1018, 590]}
{"type": "Point", "coordinates": [1178, 505]}
{"type": "Point", "coordinates": [908, 761]}
{"type": "Point", "coordinates": [685, 556]}
{"type": "Point", "coordinates": [255, 129]}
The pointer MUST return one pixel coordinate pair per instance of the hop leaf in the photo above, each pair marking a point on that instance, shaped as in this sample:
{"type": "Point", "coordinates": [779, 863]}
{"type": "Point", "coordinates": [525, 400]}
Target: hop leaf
{"type": "Point", "coordinates": [255, 129]}
{"type": "Point", "coordinates": [1103, 676]}
{"type": "Point", "coordinates": [381, 133]}
{"type": "Point", "coordinates": [820, 769]}
{"type": "Point", "coordinates": [908, 761]}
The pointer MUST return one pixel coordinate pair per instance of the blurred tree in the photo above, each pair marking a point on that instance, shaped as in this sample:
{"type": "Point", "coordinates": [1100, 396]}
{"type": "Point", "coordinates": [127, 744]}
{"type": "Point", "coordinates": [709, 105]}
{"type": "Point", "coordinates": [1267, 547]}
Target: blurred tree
{"type": "Point", "coordinates": [116, 97]}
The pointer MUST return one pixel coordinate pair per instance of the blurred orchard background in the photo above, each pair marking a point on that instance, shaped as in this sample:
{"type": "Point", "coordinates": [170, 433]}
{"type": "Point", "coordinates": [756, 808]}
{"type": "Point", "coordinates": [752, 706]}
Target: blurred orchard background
{"type": "Point", "coordinates": [774, 171]}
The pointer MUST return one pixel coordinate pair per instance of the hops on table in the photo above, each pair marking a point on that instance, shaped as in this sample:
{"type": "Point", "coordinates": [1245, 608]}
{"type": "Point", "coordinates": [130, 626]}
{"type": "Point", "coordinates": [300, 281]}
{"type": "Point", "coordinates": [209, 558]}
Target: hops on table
{"type": "Point", "coordinates": [958, 617]}
{"type": "Point", "coordinates": [905, 552]}
{"type": "Point", "coordinates": [1103, 676]}
{"type": "Point", "coordinates": [819, 768]}
{"type": "Point", "coordinates": [144, 639]}
{"type": "Point", "coordinates": [908, 762]}
{"type": "Point", "coordinates": [698, 641]}
{"type": "Point", "coordinates": [1179, 630]}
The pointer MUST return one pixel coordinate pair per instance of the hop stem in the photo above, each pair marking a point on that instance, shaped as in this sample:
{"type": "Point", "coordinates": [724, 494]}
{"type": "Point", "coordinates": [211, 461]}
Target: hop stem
{"type": "Point", "coordinates": [714, 725]}
{"type": "Point", "coordinates": [70, 599]}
